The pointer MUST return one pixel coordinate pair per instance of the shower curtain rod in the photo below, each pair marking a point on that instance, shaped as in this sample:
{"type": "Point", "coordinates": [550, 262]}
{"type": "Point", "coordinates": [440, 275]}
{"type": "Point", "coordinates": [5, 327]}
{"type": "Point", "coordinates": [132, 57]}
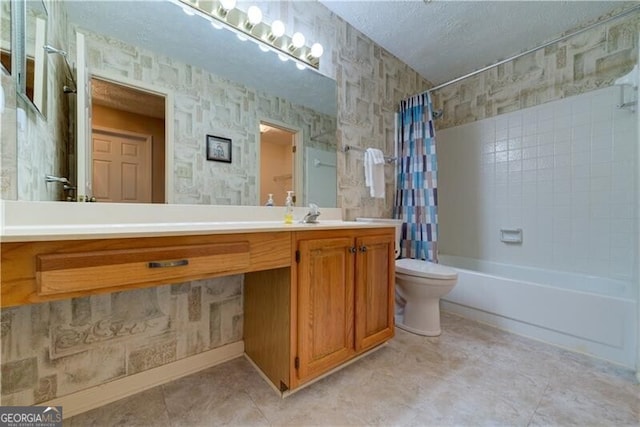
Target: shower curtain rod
{"type": "Point", "coordinates": [542, 46]}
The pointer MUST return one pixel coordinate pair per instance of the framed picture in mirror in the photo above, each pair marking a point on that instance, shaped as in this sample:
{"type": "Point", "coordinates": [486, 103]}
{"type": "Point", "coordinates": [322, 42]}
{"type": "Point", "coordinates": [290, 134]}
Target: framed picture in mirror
{"type": "Point", "coordinates": [218, 148]}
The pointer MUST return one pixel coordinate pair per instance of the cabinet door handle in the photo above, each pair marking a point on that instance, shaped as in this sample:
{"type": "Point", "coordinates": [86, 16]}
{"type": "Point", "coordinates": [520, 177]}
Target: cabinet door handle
{"type": "Point", "coordinates": [164, 264]}
{"type": "Point", "coordinates": [353, 249]}
{"type": "Point", "coordinates": [363, 249]}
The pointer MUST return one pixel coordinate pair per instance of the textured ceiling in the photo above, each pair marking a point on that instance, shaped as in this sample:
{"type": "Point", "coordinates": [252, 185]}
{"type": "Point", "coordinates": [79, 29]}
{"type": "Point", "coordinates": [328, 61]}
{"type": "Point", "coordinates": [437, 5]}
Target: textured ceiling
{"type": "Point", "coordinates": [443, 40]}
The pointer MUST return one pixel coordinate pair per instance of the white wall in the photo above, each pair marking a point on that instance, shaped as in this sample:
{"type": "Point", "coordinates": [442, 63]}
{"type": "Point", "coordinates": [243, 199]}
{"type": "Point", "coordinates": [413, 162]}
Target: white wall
{"type": "Point", "coordinates": [562, 171]}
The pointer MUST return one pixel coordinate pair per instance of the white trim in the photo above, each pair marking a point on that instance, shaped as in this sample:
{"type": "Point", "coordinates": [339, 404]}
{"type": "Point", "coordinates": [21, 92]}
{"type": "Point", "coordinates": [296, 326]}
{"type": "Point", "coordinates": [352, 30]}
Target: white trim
{"type": "Point", "coordinates": [94, 397]}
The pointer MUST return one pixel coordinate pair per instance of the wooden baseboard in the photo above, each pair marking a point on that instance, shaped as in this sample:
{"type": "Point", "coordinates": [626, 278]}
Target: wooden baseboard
{"type": "Point", "coordinates": [94, 397]}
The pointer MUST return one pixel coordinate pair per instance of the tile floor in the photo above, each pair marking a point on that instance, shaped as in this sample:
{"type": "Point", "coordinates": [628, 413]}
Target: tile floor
{"type": "Point", "coordinates": [471, 375]}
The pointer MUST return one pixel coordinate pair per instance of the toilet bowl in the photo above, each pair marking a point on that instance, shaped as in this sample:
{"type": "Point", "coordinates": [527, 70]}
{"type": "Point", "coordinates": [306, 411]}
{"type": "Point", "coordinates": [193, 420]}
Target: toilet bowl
{"type": "Point", "coordinates": [420, 285]}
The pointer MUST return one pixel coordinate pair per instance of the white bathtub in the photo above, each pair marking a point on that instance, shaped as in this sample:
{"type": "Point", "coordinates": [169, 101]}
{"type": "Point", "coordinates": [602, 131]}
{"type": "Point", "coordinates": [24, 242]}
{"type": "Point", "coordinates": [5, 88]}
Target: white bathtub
{"type": "Point", "coordinates": [592, 315]}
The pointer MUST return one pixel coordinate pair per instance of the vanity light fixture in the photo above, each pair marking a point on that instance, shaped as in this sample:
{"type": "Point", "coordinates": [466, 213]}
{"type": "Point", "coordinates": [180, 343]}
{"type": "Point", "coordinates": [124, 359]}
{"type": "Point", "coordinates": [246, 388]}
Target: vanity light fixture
{"type": "Point", "coordinates": [225, 7]}
{"type": "Point", "coordinates": [316, 50]}
{"type": "Point", "coordinates": [250, 25]}
{"type": "Point", "coordinates": [297, 41]}
{"type": "Point", "coordinates": [254, 17]}
{"type": "Point", "coordinates": [277, 30]}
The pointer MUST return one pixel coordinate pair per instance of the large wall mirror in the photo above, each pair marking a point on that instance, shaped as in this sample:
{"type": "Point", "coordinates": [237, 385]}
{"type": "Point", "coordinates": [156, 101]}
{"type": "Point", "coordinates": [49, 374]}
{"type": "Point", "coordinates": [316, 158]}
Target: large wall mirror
{"type": "Point", "coordinates": [33, 62]}
{"type": "Point", "coordinates": [147, 71]}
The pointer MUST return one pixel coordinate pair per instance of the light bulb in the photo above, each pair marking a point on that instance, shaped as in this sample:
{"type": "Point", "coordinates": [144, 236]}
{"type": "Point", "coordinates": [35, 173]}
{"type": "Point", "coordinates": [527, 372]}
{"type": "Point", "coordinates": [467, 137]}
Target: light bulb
{"type": "Point", "coordinates": [277, 28]}
{"type": "Point", "coordinates": [297, 40]}
{"type": "Point", "coordinates": [317, 50]}
{"type": "Point", "coordinates": [300, 66]}
{"type": "Point", "coordinates": [263, 48]}
{"type": "Point", "coordinates": [282, 57]}
{"type": "Point", "coordinates": [242, 37]}
{"type": "Point", "coordinates": [228, 4]}
{"type": "Point", "coordinates": [254, 14]}
{"type": "Point", "coordinates": [216, 25]}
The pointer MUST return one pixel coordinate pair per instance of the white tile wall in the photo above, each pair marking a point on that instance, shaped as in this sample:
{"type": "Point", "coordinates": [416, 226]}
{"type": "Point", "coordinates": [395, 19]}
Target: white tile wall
{"type": "Point", "coordinates": [565, 172]}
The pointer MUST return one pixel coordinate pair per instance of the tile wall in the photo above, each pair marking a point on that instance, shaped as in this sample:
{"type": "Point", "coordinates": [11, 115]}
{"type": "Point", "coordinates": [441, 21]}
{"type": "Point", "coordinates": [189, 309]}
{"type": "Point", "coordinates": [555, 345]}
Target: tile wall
{"type": "Point", "coordinates": [564, 172]}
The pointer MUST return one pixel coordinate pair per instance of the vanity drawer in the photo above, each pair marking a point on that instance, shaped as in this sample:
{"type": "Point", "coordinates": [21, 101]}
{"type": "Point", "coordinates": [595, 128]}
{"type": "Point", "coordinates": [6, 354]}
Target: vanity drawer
{"type": "Point", "coordinates": [89, 270]}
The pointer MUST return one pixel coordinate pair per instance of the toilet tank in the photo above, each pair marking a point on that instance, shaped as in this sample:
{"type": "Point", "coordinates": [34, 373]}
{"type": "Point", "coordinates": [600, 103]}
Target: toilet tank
{"type": "Point", "coordinates": [395, 222]}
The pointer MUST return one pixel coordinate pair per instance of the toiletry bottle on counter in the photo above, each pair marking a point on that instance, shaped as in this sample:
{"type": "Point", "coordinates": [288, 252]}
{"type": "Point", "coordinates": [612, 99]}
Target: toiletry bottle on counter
{"type": "Point", "coordinates": [270, 200]}
{"type": "Point", "coordinates": [288, 208]}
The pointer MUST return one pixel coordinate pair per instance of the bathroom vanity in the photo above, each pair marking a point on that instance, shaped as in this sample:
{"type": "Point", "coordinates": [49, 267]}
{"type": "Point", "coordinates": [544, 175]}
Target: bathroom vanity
{"type": "Point", "coordinates": [315, 295]}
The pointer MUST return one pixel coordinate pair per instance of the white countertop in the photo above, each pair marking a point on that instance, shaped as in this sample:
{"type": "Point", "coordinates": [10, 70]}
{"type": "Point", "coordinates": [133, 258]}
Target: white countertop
{"type": "Point", "coordinates": [23, 221]}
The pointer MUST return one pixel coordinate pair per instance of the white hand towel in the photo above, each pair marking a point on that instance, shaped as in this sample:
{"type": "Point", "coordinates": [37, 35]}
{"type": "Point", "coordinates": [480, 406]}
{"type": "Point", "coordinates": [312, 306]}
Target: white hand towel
{"type": "Point", "coordinates": [374, 172]}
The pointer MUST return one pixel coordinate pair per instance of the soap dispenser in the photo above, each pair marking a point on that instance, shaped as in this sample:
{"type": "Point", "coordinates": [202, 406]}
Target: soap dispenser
{"type": "Point", "coordinates": [288, 208]}
{"type": "Point", "coordinates": [270, 200]}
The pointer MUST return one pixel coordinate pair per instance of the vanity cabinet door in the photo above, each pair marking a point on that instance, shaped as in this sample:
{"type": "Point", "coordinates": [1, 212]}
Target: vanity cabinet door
{"type": "Point", "coordinates": [374, 292]}
{"type": "Point", "coordinates": [325, 305]}
{"type": "Point", "coordinates": [345, 297]}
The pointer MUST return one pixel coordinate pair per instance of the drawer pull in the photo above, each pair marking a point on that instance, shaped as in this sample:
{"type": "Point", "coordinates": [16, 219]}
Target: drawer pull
{"type": "Point", "coordinates": [163, 264]}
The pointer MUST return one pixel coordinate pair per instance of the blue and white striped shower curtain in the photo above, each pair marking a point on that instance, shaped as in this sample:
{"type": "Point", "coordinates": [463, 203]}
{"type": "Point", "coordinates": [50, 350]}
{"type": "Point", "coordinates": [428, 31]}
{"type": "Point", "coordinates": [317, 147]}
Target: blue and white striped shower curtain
{"type": "Point", "coordinates": [416, 201]}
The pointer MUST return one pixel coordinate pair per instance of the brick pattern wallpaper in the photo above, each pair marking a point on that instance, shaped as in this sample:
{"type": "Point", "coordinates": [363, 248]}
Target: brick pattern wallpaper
{"type": "Point", "coordinates": [588, 61]}
{"type": "Point", "coordinates": [53, 349]}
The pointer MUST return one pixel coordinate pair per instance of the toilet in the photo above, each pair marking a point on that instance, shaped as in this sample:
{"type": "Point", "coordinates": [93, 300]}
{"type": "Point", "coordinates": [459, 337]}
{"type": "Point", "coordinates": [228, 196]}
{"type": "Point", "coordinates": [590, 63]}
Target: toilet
{"type": "Point", "coordinates": [419, 287]}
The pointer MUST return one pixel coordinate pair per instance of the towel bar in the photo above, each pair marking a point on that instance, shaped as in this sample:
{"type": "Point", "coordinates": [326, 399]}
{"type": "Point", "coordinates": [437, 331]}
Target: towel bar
{"type": "Point", "coordinates": [348, 148]}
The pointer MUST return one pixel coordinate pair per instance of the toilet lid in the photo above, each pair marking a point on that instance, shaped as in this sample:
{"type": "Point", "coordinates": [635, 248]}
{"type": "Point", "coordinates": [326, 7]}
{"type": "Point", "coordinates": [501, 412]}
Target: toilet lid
{"type": "Point", "coordinates": [420, 268]}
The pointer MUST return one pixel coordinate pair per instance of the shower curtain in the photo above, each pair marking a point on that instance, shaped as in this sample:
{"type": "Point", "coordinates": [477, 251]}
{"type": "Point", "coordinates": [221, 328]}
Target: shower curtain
{"type": "Point", "coordinates": [416, 201]}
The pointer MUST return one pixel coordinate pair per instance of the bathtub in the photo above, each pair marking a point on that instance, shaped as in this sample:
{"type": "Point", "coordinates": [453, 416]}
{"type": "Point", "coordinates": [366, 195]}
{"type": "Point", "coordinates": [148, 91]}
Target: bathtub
{"type": "Point", "coordinates": [588, 314]}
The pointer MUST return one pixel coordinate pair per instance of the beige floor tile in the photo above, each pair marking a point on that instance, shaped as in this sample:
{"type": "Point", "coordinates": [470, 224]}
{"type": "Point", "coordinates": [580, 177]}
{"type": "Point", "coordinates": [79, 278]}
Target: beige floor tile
{"type": "Point", "coordinates": [144, 409]}
{"type": "Point", "coordinates": [471, 375]}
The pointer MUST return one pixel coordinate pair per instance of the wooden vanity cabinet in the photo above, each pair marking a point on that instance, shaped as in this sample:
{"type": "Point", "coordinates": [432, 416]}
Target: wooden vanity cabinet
{"type": "Point", "coordinates": [332, 305]}
{"type": "Point", "coordinates": [313, 300]}
{"type": "Point", "coordinates": [345, 297]}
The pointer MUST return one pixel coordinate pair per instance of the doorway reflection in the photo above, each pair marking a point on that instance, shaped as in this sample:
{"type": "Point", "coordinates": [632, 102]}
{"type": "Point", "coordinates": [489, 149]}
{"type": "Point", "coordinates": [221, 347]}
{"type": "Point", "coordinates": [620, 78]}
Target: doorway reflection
{"type": "Point", "coordinates": [277, 163]}
{"type": "Point", "coordinates": [128, 143]}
